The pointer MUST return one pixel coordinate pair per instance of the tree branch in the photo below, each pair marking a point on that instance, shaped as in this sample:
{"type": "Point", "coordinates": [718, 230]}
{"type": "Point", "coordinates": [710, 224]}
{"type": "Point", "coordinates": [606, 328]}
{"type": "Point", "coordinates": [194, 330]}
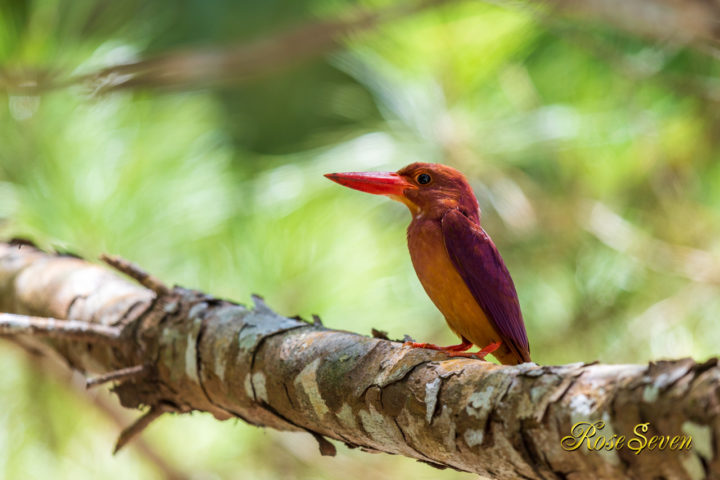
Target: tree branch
{"type": "Point", "coordinates": [681, 22]}
{"type": "Point", "coordinates": [190, 68]}
{"type": "Point", "coordinates": [140, 424]}
{"type": "Point", "coordinates": [53, 328]}
{"type": "Point", "coordinates": [122, 374]}
{"type": "Point", "coordinates": [45, 368]}
{"type": "Point", "coordinates": [211, 355]}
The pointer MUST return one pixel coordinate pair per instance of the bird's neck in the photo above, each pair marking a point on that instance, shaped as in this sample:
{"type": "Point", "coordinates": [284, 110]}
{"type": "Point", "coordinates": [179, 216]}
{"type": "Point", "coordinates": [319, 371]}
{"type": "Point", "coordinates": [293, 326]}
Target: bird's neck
{"type": "Point", "coordinates": [436, 213]}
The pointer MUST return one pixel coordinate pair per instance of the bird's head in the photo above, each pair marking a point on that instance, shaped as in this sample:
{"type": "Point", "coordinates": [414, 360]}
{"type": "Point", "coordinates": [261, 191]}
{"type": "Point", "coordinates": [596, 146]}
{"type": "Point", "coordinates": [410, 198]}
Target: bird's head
{"type": "Point", "coordinates": [428, 189]}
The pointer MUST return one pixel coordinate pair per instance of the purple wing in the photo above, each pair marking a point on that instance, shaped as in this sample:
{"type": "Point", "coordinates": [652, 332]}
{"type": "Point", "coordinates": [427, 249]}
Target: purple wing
{"type": "Point", "coordinates": [479, 264]}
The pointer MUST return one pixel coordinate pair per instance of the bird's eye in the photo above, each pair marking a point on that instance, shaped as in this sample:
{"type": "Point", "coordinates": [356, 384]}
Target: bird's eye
{"type": "Point", "coordinates": [423, 179]}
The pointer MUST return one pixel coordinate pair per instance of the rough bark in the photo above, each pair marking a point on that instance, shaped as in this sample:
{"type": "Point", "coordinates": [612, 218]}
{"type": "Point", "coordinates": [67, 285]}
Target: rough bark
{"type": "Point", "coordinates": [197, 352]}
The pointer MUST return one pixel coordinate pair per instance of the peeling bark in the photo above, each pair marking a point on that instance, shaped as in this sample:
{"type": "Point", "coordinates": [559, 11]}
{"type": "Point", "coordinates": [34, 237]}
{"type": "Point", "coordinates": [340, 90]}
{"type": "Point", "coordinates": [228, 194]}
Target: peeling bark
{"type": "Point", "coordinates": [202, 353]}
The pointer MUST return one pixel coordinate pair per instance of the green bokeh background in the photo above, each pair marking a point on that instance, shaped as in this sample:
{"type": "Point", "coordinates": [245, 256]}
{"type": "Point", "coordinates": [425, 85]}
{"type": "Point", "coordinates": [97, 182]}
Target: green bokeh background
{"type": "Point", "coordinates": [594, 156]}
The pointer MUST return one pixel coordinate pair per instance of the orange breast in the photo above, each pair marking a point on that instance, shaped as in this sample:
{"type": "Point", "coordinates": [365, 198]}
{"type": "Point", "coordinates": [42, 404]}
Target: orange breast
{"type": "Point", "coordinates": [447, 289]}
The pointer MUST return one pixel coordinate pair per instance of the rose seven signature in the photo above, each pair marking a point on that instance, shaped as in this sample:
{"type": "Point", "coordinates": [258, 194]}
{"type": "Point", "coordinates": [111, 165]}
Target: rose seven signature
{"type": "Point", "coordinates": [587, 433]}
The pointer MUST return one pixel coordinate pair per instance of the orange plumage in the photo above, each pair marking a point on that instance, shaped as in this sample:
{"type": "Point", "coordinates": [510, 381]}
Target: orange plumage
{"type": "Point", "coordinates": [455, 260]}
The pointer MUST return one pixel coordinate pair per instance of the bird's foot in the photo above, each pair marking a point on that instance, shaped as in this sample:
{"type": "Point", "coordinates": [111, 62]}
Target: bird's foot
{"type": "Point", "coordinates": [480, 355]}
{"type": "Point", "coordinates": [458, 350]}
{"type": "Point", "coordinates": [465, 345]}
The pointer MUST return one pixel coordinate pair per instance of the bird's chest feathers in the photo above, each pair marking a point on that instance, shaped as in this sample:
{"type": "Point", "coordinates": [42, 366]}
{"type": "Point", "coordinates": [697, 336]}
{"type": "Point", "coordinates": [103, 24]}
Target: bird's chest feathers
{"type": "Point", "coordinates": [440, 279]}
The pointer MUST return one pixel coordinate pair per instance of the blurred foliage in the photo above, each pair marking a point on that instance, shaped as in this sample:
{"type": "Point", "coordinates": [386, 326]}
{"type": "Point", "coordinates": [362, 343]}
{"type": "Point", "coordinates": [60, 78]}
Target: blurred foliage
{"type": "Point", "coordinates": [594, 156]}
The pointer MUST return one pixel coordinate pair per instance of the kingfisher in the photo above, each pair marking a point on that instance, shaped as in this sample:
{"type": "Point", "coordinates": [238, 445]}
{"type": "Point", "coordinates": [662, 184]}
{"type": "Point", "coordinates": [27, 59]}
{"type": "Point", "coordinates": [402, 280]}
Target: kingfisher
{"type": "Point", "coordinates": [457, 263]}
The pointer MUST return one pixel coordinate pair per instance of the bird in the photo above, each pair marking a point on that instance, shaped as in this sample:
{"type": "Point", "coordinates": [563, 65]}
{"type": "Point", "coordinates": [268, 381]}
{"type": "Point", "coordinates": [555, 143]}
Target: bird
{"type": "Point", "coordinates": [456, 261]}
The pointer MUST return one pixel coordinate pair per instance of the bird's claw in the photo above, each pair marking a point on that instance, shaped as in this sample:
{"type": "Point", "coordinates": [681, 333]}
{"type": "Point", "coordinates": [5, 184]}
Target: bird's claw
{"type": "Point", "coordinates": [457, 350]}
{"type": "Point", "coordinates": [476, 355]}
{"type": "Point", "coordinates": [480, 355]}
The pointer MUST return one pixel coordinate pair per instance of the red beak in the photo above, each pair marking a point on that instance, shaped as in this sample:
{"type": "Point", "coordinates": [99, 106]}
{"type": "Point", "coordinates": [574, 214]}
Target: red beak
{"type": "Point", "coordinates": [379, 183]}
